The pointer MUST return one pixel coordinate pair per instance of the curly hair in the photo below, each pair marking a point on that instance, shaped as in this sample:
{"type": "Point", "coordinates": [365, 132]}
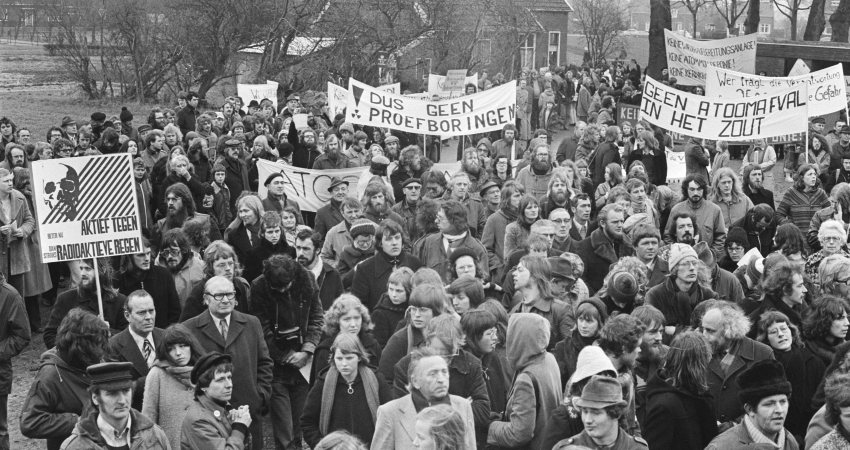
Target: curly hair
{"type": "Point", "coordinates": [699, 180]}
{"type": "Point", "coordinates": [734, 324]}
{"type": "Point", "coordinates": [687, 362]}
{"type": "Point", "coordinates": [340, 440]}
{"type": "Point", "coordinates": [630, 264]}
{"type": "Point", "coordinates": [446, 426]}
{"type": "Point", "coordinates": [178, 334]}
{"type": "Point", "coordinates": [495, 160]}
{"type": "Point", "coordinates": [789, 239]}
{"type": "Point", "coordinates": [198, 233]}
{"type": "Point", "coordinates": [621, 334]}
{"type": "Point", "coordinates": [616, 193]}
{"type": "Point", "coordinates": [817, 320]}
{"type": "Point", "coordinates": [340, 307]}
{"type": "Point", "coordinates": [837, 396]}
{"type": "Point", "coordinates": [426, 215]}
{"type": "Point", "coordinates": [83, 336]}
{"type": "Point", "coordinates": [456, 214]}
{"type": "Point", "coordinates": [780, 279]}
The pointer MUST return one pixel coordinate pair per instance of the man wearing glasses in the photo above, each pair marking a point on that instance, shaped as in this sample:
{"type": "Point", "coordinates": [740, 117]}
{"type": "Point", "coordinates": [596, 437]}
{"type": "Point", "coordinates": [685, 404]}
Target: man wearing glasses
{"type": "Point", "coordinates": [223, 329]}
{"type": "Point", "coordinates": [406, 208]}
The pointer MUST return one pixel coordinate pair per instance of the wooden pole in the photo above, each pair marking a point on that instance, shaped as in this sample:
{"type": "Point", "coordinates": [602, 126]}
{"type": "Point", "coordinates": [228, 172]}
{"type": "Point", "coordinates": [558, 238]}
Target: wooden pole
{"type": "Point", "coordinates": [99, 295]}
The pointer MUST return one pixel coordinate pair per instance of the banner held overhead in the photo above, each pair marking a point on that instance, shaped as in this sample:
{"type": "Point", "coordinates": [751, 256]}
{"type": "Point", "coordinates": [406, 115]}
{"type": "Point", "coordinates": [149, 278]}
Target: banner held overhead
{"type": "Point", "coordinates": [687, 59]}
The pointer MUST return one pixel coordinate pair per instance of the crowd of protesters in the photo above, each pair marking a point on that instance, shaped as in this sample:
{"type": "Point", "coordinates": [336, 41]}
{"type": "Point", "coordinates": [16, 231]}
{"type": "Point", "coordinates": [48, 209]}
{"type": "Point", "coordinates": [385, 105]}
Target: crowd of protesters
{"type": "Point", "coordinates": [539, 297]}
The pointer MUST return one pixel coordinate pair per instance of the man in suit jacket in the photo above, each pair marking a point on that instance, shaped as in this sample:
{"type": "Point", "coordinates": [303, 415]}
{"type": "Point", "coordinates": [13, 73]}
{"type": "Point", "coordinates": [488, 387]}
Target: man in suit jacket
{"type": "Point", "coordinates": [395, 427]}
{"type": "Point", "coordinates": [580, 208]}
{"type": "Point", "coordinates": [223, 329]}
{"type": "Point", "coordinates": [137, 343]}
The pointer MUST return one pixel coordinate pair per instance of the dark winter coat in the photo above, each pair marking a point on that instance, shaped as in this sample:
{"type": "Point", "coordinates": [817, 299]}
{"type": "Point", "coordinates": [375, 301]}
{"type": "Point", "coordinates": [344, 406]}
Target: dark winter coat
{"type": "Point", "coordinates": [241, 243]}
{"type": "Point", "coordinates": [159, 283]}
{"type": "Point", "coordinates": [113, 311]}
{"type": "Point", "coordinates": [761, 240]}
{"type": "Point", "coordinates": [322, 357]}
{"type": "Point", "coordinates": [396, 349]}
{"type": "Point", "coordinates": [676, 305]}
{"type": "Point", "coordinates": [606, 153]}
{"type": "Point", "coordinates": [598, 253]}
{"type": "Point", "coordinates": [262, 250]}
{"type": "Point", "coordinates": [386, 317]}
{"type": "Point", "coordinates": [371, 275]}
{"type": "Point", "coordinates": [14, 333]}
{"type": "Point", "coordinates": [194, 304]}
{"type": "Point", "coordinates": [566, 353]}
{"type": "Point", "coordinates": [804, 371]}
{"type": "Point", "coordinates": [236, 178]}
{"type": "Point", "coordinates": [676, 418]}
{"type": "Point", "coordinates": [723, 384]}
{"type": "Point", "coordinates": [327, 217]}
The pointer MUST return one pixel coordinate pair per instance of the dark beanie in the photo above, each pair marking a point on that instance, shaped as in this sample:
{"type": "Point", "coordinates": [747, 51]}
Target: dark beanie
{"type": "Point", "coordinates": [738, 236]}
{"type": "Point", "coordinates": [597, 303]}
{"type": "Point", "coordinates": [125, 115]}
{"type": "Point", "coordinates": [98, 117]}
{"type": "Point", "coordinates": [762, 379]}
{"type": "Point", "coordinates": [622, 287]}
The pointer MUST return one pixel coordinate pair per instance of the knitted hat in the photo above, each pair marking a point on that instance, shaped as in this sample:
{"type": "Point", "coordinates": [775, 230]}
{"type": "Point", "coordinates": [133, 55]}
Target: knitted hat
{"type": "Point", "coordinates": [346, 126]}
{"type": "Point", "coordinates": [125, 115]}
{"type": "Point", "coordinates": [390, 139]}
{"type": "Point", "coordinates": [737, 235]}
{"type": "Point", "coordinates": [591, 361]}
{"type": "Point", "coordinates": [237, 124]}
{"type": "Point", "coordinates": [362, 227]}
{"type": "Point", "coordinates": [755, 269]}
{"type": "Point", "coordinates": [218, 167]}
{"type": "Point", "coordinates": [597, 303]}
{"type": "Point", "coordinates": [678, 252]}
{"type": "Point", "coordinates": [762, 379]}
{"type": "Point", "coordinates": [285, 149]}
{"type": "Point", "coordinates": [98, 117]}
{"type": "Point", "coordinates": [622, 287]}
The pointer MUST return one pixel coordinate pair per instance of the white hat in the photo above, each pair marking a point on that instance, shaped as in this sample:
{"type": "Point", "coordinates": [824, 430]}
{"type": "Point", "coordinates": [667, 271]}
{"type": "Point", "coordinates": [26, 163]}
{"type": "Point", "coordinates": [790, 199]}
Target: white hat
{"type": "Point", "coordinates": [591, 361]}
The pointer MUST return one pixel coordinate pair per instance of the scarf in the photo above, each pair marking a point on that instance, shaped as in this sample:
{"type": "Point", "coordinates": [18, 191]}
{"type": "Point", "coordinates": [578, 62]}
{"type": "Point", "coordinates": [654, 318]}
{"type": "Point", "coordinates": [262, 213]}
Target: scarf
{"type": "Point", "coordinates": [759, 438]}
{"type": "Point", "coordinates": [420, 402]}
{"type": "Point", "coordinates": [370, 385]}
{"type": "Point", "coordinates": [180, 373]}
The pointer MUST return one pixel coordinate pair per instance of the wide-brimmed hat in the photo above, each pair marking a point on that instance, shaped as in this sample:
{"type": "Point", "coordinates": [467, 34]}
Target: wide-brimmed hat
{"type": "Point", "coordinates": [601, 392]}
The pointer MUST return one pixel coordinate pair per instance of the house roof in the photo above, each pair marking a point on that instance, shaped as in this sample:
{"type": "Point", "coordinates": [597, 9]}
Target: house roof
{"type": "Point", "coordinates": [546, 5]}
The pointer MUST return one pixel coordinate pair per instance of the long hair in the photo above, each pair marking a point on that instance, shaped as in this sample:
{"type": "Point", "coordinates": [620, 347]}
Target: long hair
{"type": "Point", "coordinates": [508, 190]}
{"type": "Point", "coordinates": [182, 191]}
{"type": "Point", "coordinates": [82, 336]}
{"type": "Point", "coordinates": [818, 319]}
{"type": "Point", "coordinates": [340, 307]}
{"type": "Point", "coordinates": [349, 344]}
{"type": "Point", "coordinates": [524, 203]}
{"type": "Point", "coordinates": [446, 426]}
{"type": "Point", "coordinates": [687, 362]}
{"type": "Point", "coordinates": [800, 174]}
{"type": "Point", "coordinates": [615, 174]}
{"type": "Point", "coordinates": [770, 317]}
{"type": "Point", "coordinates": [540, 273]}
{"type": "Point", "coordinates": [778, 281]}
{"type": "Point", "coordinates": [495, 159]}
{"type": "Point", "coordinates": [699, 180]}
{"type": "Point", "coordinates": [219, 250]}
{"type": "Point", "coordinates": [789, 239]}
{"type": "Point", "coordinates": [178, 334]}
{"type": "Point", "coordinates": [498, 311]}
{"type": "Point", "coordinates": [251, 201]}
{"type": "Point", "coordinates": [426, 214]}
{"type": "Point", "coordinates": [737, 192]}
{"type": "Point", "coordinates": [446, 329]}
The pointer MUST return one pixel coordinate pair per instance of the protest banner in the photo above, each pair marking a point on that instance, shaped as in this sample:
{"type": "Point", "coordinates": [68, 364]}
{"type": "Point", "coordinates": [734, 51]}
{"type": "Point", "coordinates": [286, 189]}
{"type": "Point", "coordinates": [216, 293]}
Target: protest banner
{"type": "Point", "coordinates": [338, 96]}
{"type": "Point", "coordinates": [627, 114]}
{"type": "Point", "coordinates": [436, 86]}
{"type": "Point", "coordinates": [455, 80]}
{"type": "Point", "coordinates": [477, 113]}
{"type": "Point", "coordinates": [687, 59]}
{"type": "Point", "coordinates": [722, 118]}
{"type": "Point", "coordinates": [258, 92]}
{"type": "Point", "coordinates": [800, 68]}
{"type": "Point", "coordinates": [827, 89]}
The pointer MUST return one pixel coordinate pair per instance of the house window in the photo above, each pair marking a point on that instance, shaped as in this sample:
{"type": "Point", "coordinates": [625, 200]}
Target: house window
{"type": "Point", "coordinates": [764, 28]}
{"type": "Point", "coordinates": [678, 26]}
{"type": "Point", "coordinates": [485, 47]}
{"type": "Point", "coordinates": [554, 48]}
{"type": "Point", "coordinates": [674, 13]}
{"type": "Point", "coordinates": [423, 68]}
{"type": "Point", "coordinates": [29, 17]}
{"type": "Point", "coordinates": [710, 27]}
{"type": "Point", "coordinates": [526, 51]}
{"type": "Point", "coordinates": [4, 15]}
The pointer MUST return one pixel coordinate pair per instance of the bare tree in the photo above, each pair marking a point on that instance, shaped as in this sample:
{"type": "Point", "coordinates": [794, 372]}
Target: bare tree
{"type": "Point", "coordinates": [840, 21]}
{"type": "Point", "coordinates": [751, 24]}
{"type": "Point", "coordinates": [816, 23]}
{"type": "Point", "coordinates": [76, 43]}
{"type": "Point", "coordinates": [693, 7]}
{"type": "Point", "coordinates": [602, 22]}
{"type": "Point", "coordinates": [659, 20]}
{"type": "Point", "coordinates": [791, 9]}
{"type": "Point", "coordinates": [731, 11]}
{"type": "Point", "coordinates": [293, 19]}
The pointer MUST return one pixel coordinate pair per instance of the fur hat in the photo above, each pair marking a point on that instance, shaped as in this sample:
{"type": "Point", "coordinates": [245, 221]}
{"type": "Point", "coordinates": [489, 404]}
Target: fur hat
{"type": "Point", "coordinates": [762, 379]}
{"type": "Point", "coordinates": [98, 117]}
{"type": "Point", "coordinates": [643, 230]}
{"type": "Point", "coordinates": [379, 165]}
{"type": "Point", "coordinates": [125, 115]}
{"type": "Point", "coordinates": [738, 236]}
{"type": "Point", "coordinates": [622, 287]}
{"type": "Point", "coordinates": [462, 251]}
{"type": "Point", "coordinates": [362, 227]}
{"type": "Point", "coordinates": [678, 252]}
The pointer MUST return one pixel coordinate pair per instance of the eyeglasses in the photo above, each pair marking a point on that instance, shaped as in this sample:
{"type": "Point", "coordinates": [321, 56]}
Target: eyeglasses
{"type": "Point", "coordinates": [831, 239]}
{"type": "Point", "coordinates": [170, 252]}
{"type": "Point", "coordinates": [221, 297]}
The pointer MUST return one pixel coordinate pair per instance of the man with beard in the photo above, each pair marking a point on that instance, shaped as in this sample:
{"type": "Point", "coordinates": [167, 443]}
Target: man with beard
{"type": "Point", "coordinates": [96, 123]}
{"type": "Point", "coordinates": [15, 157]}
{"type": "Point", "coordinates": [434, 249]}
{"type": "Point", "coordinates": [236, 173]}
{"type": "Point", "coordinates": [725, 285]}
{"type": "Point", "coordinates": [567, 148]}
{"type": "Point", "coordinates": [535, 177]}
{"type": "Point", "coordinates": [185, 267]}
{"type": "Point", "coordinates": [620, 338]}
{"type": "Point", "coordinates": [375, 199]}
{"type": "Point", "coordinates": [475, 210]}
{"type": "Point", "coordinates": [471, 166]}
{"type": "Point", "coordinates": [557, 195]}
{"type": "Point", "coordinates": [840, 148]}
{"type": "Point", "coordinates": [59, 392]}
{"type": "Point", "coordinates": [606, 153]}
{"type": "Point", "coordinates": [180, 208]}
{"type": "Point", "coordinates": [754, 186]}
{"type": "Point", "coordinates": [391, 144]}
{"type": "Point", "coordinates": [84, 296]}
{"type": "Point", "coordinates": [435, 184]}
{"type": "Point", "coordinates": [156, 119]}
{"type": "Point", "coordinates": [409, 166]}
{"type": "Point", "coordinates": [339, 237]}
{"type": "Point", "coordinates": [647, 240]}
{"type": "Point", "coordinates": [708, 215]}
{"type": "Point", "coordinates": [406, 208]}
{"type": "Point", "coordinates": [652, 352]}
{"type": "Point", "coordinates": [305, 151]}
{"type": "Point", "coordinates": [346, 136]}
{"type": "Point", "coordinates": [333, 158]}
{"type": "Point", "coordinates": [276, 199]}
{"type": "Point", "coordinates": [680, 291]}
{"type": "Point", "coordinates": [330, 215]}
{"type": "Point", "coordinates": [604, 246]}
{"type": "Point", "coordinates": [137, 273]}
{"type": "Point", "coordinates": [726, 328]}
{"type": "Point", "coordinates": [137, 343]}
{"type": "Point", "coordinates": [371, 275]}
{"type": "Point", "coordinates": [507, 145]}
{"type": "Point", "coordinates": [685, 232]}
{"type": "Point", "coordinates": [307, 244]}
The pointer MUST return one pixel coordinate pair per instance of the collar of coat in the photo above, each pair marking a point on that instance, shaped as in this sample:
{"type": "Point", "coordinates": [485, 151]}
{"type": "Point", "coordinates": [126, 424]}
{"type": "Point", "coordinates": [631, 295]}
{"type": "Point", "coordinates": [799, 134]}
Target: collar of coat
{"type": "Point", "coordinates": [603, 246]}
{"type": "Point", "coordinates": [87, 426]}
